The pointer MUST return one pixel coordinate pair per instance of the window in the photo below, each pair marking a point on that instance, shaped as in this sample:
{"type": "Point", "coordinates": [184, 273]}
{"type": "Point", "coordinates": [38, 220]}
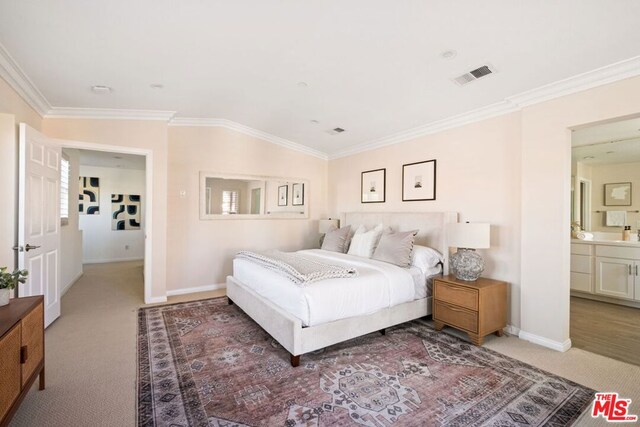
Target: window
{"type": "Point", "coordinates": [64, 190]}
{"type": "Point", "coordinates": [229, 202]}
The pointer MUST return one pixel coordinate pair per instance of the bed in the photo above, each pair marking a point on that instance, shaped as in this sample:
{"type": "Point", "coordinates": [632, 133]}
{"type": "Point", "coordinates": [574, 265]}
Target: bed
{"type": "Point", "coordinates": [306, 319]}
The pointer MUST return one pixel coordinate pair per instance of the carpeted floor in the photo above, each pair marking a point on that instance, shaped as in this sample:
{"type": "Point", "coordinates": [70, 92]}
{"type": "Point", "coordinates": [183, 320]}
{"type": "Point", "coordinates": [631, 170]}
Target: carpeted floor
{"type": "Point", "coordinates": [206, 363]}
{"type": "Point", "coordinates": [91, 356]}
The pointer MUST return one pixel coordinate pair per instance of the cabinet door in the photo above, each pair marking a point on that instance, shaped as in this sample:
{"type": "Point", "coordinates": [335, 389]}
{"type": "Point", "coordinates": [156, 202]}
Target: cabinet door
{"type": "Point", "coordinates": [9, 369]}
{"type": "Point", "coordinates": [636, 272]}
{"type": "Point", "coordinates": [614, 277]}
{"type": "Point", "coordinates": [32, 339]}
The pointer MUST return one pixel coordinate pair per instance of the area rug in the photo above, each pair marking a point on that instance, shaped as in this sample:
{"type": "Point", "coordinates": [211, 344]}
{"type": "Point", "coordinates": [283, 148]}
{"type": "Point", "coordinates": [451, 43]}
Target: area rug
{"type": "Point", "coordinates": [206, 363]}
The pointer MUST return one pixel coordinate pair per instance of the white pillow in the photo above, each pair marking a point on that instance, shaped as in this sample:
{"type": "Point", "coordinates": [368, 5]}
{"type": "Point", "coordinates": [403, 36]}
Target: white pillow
{"type": "Point", "coordinates": [425, 258]}
{"type": "Point", "coordinates": [364, 242]}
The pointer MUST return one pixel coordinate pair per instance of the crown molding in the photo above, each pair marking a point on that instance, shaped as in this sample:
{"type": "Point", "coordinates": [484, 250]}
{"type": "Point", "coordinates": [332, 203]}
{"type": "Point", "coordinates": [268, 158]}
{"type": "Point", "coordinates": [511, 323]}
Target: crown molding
{"type": "Point", "coordinates": [228, 124]}
{"type": "Point", "coordinates": [11, 72]}
{"type": "Point", "coordinates": [108, 113]}
{"type": "Point", "coordinates": [599, 77]}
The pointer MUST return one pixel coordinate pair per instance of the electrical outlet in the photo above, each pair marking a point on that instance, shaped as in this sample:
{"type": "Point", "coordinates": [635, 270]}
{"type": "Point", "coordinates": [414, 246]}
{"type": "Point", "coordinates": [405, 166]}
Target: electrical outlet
{"type": "Point", "coordinates": [126, 247]}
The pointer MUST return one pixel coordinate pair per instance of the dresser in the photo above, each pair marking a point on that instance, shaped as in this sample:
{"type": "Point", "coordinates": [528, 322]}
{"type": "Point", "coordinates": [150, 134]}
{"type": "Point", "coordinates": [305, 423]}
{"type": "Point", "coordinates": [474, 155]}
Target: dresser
{"type": "Point", "coordinates": [478, 308]}
{"type": "Point", "coordinates": [21, 352]}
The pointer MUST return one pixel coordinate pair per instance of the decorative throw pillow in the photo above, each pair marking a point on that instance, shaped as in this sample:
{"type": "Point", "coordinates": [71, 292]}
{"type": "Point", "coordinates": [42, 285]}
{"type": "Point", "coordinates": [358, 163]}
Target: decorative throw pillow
{"type": "Point", "coordinates": [396, 248]}
{"type": "Point", "coordinates": [425, 258]}
{"type": "Point", "coordinates": [364, 243]}
{"type": "Point", "coordinates": [336, 240]}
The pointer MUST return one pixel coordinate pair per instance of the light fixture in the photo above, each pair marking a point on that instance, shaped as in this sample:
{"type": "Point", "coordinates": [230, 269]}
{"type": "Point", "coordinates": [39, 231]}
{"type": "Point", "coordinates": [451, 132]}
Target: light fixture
{"type": "Point", "coordinates": [448, 54]}
{"type": "Point", "coordinates": [315, 122]}
{"type": "Point", "coordinates": [466, 263]}
{"type": "Point", "coordinates": [101, 89]}
{"type": "Point", "coordinates": [303, 85]}
{"type": "Point", "coordinates": [156, 86]}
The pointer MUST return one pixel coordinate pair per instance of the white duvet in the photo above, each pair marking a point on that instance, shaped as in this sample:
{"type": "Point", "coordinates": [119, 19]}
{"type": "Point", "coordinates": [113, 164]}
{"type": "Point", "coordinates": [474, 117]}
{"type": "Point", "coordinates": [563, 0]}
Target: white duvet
{"type": "Point", "coordinates": [378, 285]}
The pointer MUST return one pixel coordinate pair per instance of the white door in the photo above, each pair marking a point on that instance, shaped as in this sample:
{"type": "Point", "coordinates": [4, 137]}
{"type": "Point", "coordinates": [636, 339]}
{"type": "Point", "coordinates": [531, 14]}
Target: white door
{"type": "Point", "coordinates": [615, 277]}
{"type": "Point", "coordinates": [39, 219]}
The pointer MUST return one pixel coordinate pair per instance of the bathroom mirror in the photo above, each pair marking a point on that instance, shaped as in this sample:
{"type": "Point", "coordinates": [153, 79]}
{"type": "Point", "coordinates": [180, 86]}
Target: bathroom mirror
{"type": "Point", "coordinates": [229, 196]}
{"type": "Point", "coordinates": [605, 172]}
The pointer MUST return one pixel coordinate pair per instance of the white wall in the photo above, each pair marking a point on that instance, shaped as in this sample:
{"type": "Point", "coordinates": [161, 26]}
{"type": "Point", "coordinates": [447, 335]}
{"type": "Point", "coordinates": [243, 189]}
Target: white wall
{"type": "Point", "coordinates": [100, 242]}
{"type": "Point", "coordinates": [70, 234]}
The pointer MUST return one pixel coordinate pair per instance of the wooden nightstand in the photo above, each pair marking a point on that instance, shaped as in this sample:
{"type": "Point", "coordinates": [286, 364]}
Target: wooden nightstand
{"type": "Point", "coordinates": [479, 308]}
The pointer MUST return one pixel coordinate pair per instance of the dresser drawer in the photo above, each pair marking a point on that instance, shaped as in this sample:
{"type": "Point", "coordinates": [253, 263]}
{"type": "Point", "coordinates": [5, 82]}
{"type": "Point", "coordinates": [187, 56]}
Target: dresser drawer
{"type": "Point", "coordinates": [456, 295]}
{"type": "Point", "coordinates": [456, 316]}
{"type": "Point", "coordinates": [582, 249]}
{"type": "Point", "coordinates": [581, 263]}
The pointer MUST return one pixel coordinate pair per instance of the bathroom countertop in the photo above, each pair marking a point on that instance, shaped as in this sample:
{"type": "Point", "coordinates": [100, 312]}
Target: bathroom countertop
{"type": "Point", "coordinates": [608, 242]}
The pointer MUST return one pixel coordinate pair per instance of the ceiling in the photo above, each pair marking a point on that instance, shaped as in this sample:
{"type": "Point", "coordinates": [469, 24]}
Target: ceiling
{"type": "Point", "coordinates": [614, 142]}
{"type": "Point", "coordinates": [111, 160]}
{"type": "Point", "coordinates": [371, 67]}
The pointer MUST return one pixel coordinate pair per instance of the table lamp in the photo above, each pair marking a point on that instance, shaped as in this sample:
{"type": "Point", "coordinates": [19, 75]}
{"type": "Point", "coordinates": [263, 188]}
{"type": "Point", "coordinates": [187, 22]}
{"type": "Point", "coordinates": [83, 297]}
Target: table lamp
{"type": "Point", "coordinates": [466, 263]}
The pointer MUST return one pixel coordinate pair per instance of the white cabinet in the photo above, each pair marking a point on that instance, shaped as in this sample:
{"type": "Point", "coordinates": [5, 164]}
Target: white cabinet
{"type": "Point", "coordinates": [617, 277]}
{"type": "Point", "coordinates": [581, 267]}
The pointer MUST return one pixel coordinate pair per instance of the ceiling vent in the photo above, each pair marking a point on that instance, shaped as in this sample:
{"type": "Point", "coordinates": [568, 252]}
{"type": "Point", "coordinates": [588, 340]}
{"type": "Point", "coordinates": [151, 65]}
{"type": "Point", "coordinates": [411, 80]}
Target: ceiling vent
{"type": "Point", "coordinates": [335, 131]}
{"type": "Point", "coordinates": [474, 75]}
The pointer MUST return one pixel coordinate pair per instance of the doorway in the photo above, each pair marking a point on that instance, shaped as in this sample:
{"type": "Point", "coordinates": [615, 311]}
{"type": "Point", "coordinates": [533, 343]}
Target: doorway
{"type": "Point", "coordinates": [605, 246]}
{"type": "Point", "coordinates": [137, 159]}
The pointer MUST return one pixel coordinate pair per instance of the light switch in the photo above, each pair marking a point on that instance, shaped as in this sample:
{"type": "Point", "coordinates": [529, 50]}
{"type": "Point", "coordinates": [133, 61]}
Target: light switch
{"type": "Point", "coordinates": [183, 193]}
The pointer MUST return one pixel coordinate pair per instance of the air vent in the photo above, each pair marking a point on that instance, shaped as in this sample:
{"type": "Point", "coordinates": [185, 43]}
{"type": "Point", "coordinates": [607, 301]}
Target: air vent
{"type": "Point", "coordinates": [335, 131]}
{"type": "Point", "coordinates": [473, 75]}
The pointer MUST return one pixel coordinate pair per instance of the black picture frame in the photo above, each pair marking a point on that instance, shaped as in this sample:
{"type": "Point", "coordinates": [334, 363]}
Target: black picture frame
{"type": "Point", "coordinates": [419, 181]}
{"type": "Point", "coordinates": [373, 194]}
{"type": "Point", "coordinates": [294, 201]}
{"type": "Point", "coordinates": [283, 189]}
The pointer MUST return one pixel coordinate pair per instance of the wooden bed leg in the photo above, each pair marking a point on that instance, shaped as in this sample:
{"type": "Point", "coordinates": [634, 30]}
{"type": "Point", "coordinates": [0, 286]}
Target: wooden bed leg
{"type": "Point", "coordinates": [383, 331]}
{"type": "Point", "coordinates": [229, 301]}
{"type": "Point", "coordinates": [295, 360]}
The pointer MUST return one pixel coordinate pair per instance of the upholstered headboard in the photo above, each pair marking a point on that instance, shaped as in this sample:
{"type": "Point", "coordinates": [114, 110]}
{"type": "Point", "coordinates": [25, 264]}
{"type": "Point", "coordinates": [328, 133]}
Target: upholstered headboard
{"type": "Point", "coordinates": [431, 226]}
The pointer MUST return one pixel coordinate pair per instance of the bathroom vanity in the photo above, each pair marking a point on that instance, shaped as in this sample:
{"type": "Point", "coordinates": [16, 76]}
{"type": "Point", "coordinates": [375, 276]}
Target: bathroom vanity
{"type": "Point", "coordinates": [606, 270]}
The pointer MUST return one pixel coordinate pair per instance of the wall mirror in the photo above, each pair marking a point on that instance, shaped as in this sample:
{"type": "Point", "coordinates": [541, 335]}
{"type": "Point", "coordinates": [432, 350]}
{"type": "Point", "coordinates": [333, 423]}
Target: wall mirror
{"type": "Point", "coordinates": [228, 196]}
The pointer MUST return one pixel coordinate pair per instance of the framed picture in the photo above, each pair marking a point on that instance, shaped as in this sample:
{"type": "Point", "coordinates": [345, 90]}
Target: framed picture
{"type": "Point", "coordinates": [419, 181]}
{"type": "Point", "coordinates": [283, 195]}
{"type": "Point", "coordinates": [298, 194]}
{"type": "Point", "coordinates": [373, 186]}
{"type": "Point", "coordinates": [617, 194]}
{"type": "Point", "coordinates": [89, 198]}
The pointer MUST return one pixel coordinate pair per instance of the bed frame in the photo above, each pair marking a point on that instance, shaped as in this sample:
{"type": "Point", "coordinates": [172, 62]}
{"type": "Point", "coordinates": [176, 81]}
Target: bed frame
{"type": "Point", "coordinates": [298, 340]}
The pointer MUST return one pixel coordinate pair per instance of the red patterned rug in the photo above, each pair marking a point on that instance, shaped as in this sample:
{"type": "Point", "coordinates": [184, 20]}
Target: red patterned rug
{"type": "Point", "coordinates": [206, 363]}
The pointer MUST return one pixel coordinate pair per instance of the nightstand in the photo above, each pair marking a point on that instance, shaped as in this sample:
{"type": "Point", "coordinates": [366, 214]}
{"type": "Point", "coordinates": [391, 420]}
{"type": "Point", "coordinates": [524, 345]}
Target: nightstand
{"type": "Point", "coordinates": [478, 308]}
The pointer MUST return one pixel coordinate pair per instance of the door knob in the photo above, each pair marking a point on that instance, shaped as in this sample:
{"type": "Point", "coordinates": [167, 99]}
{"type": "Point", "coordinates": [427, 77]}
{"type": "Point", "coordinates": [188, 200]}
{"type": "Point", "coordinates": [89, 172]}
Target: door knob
{"type": "Point", "coordinates": [29, 247]}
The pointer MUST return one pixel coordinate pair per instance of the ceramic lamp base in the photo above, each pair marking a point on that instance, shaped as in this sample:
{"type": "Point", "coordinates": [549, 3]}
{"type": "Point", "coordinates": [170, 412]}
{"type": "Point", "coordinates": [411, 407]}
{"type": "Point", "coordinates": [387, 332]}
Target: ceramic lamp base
{"type": "Point", "coordinates": [466, 264]}
{"type": "Point", "coordinates": [4, 296]}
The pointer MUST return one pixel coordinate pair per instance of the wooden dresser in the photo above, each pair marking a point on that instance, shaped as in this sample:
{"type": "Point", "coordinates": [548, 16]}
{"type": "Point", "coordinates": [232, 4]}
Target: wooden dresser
{"type": "Point", "coordinates": [479, 308]}
{"type": "Point", "coordinates": [21, 352]}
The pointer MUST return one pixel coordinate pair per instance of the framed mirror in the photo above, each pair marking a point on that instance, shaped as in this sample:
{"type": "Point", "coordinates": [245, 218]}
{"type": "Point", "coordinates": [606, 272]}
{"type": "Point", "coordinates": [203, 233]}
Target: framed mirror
{"type": "Point", "coordinates": [229, 196]}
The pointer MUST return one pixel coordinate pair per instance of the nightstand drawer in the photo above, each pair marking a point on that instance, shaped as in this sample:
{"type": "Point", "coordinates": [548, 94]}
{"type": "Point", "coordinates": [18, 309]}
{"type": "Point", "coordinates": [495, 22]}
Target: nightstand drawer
{"type": "Point", "coordinates": [457, 295]}
{"type": "Point", "coordinates": [456, 316]}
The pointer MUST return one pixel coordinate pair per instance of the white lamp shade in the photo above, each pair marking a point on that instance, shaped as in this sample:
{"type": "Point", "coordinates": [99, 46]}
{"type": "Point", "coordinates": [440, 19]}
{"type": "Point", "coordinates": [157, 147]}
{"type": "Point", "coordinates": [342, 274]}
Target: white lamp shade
{"type": "Point", "coordinates": [469, 235]}
{"type": "Point", "coordinates": [327, 224]}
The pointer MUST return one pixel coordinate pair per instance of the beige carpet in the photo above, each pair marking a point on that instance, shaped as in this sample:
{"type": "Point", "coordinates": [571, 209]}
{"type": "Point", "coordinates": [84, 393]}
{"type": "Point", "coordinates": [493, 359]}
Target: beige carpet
{"type": "Point", "coordinates": [91, 356]}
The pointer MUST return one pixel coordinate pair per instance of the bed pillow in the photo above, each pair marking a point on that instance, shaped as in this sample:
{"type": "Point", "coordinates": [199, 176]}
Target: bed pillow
{"type": "Point", "coordinates": [425, 258]}
{"type": "Point", "coordinates": [363, 243]}
{"type": "Point", "coordinates": [336, 240]}
{"type": "Point", "coordinates": [396, 248]}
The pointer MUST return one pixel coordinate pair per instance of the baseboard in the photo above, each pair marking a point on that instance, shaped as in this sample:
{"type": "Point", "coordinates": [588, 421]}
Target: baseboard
{"type": "Point", "coordinates": [105, 261]}
{"type": "Point", "coordinates": [512, 330]}
{"type": "Point", "coordinates": [195, 289]}
{"type": "Point", "coordinates": [545, 342]}
{"type": "Point", "coordinates": [155, 300]}
{"type": "Point", "coordinates": [71, 283]}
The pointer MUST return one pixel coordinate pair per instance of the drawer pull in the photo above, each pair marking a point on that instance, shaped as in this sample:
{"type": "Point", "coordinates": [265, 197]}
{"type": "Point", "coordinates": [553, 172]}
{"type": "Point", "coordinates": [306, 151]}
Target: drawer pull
{"type": "Point", "coordinates": [456, 288]}
{"type": "Point", "coordinates": [24, 354]}
{"type": "Point", "coordinates": [455, 309]}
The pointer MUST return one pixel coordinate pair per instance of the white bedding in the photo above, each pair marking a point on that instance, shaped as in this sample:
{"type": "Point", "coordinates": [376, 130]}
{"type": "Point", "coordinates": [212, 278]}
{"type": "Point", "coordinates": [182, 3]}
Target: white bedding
{"type": "Point", "coordinates": [378, 285]}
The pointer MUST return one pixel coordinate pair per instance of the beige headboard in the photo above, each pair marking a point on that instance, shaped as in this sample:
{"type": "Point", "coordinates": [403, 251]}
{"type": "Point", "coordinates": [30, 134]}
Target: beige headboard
{"type": "Point", "coordinates": [431, 225]}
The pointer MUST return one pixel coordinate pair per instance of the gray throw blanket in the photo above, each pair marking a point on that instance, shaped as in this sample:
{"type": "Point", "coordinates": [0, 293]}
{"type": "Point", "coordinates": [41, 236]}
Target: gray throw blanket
{"type": "Point", "coordinates": [299, 269]}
